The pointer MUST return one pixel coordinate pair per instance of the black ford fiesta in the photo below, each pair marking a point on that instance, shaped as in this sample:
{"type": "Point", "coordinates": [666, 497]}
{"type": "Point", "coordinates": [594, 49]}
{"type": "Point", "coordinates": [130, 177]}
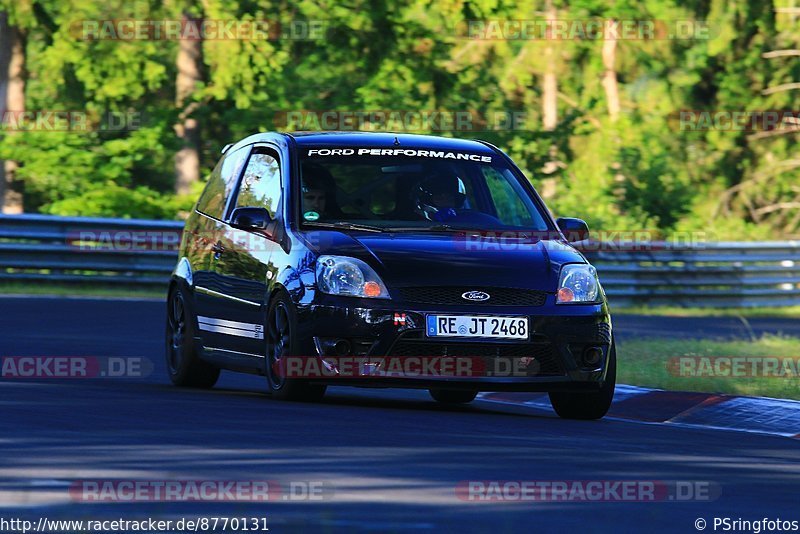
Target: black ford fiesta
{"type": "Point", "coordinates": [382, 260]}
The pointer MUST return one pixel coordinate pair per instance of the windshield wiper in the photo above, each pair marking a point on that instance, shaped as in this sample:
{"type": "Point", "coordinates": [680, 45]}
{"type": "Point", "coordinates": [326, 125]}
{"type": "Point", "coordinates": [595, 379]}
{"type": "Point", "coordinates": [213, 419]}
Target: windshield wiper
{"type": "Point", "coordinates": [434, 228]}
{"type": "Point", "coordinates": [487, 232]}
{"type": "Point", "coordinates": [344, 225]}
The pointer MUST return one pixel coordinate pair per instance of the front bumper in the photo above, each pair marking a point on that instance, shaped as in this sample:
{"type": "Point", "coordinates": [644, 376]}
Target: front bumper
{"type": "Point", "coordinates": [382, 336]}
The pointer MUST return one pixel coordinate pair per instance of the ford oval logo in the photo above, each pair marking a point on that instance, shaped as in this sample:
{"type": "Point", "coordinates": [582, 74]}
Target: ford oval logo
{"type": "Point", "coordinates": [475, 296]}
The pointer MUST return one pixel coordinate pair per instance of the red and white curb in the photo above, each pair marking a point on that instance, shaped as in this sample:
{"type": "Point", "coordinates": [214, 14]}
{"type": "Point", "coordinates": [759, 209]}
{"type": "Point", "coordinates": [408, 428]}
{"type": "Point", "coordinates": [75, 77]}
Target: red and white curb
{"type": "Point", "coordinates": [762, 415]}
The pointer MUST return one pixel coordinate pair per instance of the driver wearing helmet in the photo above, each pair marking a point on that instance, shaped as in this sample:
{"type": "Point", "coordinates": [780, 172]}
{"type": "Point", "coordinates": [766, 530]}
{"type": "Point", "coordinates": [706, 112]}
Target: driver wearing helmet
{"type": "Point", "coordinates": [319, 193]}
{"type": "Point", "coordinates": [439, 196]}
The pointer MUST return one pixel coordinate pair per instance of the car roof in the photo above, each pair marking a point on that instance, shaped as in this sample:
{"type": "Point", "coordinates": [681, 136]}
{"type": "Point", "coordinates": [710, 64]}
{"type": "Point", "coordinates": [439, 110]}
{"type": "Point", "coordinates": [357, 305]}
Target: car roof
{"type": "Point", "coordinates": [384, 139]}
{"type": "Point", "coordinates": [365, 139]}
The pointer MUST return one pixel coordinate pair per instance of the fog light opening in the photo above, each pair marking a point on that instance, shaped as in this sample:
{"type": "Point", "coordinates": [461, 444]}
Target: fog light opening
{"type": "Point", "coordinates": [592, 356]}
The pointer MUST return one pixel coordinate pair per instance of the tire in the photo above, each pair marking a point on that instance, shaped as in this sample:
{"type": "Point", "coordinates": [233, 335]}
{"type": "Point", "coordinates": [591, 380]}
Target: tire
{"type": "Point", "coordinates": [453, 396]}
{"type": "Point", "coordinates": [184, 366]}
{"type": "Point", "coordinates": [280, 336]}
{"type": "Point", "coordinates": [592, 405]}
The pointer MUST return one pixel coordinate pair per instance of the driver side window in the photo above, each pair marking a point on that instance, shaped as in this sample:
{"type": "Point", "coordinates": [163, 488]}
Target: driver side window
{"type": "Point", "coordinates": [261, 183]}
{"type": "Point", "coordinates": [221, 184]}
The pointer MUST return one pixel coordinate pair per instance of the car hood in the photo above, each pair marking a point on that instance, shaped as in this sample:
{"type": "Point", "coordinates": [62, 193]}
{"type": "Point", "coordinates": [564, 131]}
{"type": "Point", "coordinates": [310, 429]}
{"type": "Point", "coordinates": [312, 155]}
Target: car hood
{"type": "Point", "coordinates": [450, 259]}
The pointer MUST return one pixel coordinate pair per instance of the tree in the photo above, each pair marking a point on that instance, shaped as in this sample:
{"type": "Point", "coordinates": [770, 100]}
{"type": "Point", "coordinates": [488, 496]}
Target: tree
{"type": "Point", "coordinates": [610, 70]}
{"type": "Point", "coordinates": [188, 64]}
{"type": "Point", "coordinates": [5, 59]}
{"type": "Point", "coordinates": [12, 95]}
{"type": "Point", "coordinates": [549, 78]}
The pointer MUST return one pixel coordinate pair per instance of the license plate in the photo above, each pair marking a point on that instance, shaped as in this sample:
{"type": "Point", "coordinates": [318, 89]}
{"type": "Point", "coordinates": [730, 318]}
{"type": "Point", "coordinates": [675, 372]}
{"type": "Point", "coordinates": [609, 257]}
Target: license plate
{"type": "Point", "coordinates": [484, 326]}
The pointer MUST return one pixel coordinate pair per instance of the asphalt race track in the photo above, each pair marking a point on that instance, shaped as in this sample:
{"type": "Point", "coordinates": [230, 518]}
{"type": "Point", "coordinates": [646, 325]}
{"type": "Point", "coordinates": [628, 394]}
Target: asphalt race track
{"type": "Point", "coordinates": [389, 460]}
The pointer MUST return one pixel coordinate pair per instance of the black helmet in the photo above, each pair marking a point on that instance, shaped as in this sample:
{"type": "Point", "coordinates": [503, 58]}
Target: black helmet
{"type": "Point", "coordinates": [317, 177]}
{"type": "Point", "coordinates": [440, 184]}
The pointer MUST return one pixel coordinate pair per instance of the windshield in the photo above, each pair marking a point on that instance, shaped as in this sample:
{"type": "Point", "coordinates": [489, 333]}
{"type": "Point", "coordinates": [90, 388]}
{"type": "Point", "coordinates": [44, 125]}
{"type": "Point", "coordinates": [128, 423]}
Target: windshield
{"type": "Point", "coordinates": [413, 190]}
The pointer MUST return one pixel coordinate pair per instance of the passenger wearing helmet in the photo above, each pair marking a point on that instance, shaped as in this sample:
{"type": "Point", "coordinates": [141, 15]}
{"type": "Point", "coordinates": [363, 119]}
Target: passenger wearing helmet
{"type": "Point", "coordinates": [440, 196]}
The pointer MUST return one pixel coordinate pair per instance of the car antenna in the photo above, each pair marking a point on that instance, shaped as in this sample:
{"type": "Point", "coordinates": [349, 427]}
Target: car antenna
{"type": "Point", "coordinates": [396, 141]}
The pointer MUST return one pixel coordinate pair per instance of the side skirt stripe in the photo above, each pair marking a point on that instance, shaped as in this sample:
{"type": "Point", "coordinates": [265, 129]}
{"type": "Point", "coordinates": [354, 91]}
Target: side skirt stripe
{"type": "Point", "coordinates": [231, 328]}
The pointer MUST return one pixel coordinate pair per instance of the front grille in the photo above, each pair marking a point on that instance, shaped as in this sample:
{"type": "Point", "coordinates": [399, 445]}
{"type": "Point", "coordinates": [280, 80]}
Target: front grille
{"type": "Point", "coordinates": [451, 295]}
{"type": "Point", "coordinates": [534, 359]}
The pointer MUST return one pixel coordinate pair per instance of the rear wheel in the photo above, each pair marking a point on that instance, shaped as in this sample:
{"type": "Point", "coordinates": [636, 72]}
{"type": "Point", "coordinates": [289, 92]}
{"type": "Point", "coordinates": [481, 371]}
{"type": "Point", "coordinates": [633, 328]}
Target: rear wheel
{"type": "Point", "coordinates": [281, 342]}
{"type": "Point", "coordinates": [592, 405]}
{"type": "Point", "coordinates": [453, 396]}
{"type": "Point", "coordinates": [184, 365]}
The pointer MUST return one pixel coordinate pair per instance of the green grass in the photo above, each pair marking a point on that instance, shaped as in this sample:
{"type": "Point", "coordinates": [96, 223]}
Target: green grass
{"type": "Point", "coordinates": [787, 311]}
{"type": "Point", "coordinates": [646, 362]}
{"type": "Point", "coordinates": [81, 290]}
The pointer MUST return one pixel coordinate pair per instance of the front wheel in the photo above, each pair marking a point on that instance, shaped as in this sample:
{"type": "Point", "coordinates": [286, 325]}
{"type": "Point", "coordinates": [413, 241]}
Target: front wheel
{"type": "Point", "coordinates": [592, 405]}
{"type": "Point", "coordinates": [453, 396]}
{"type": "Point", "coordinates": [281, 343]}
{"type": "Point", "coordinates": [184, 365]}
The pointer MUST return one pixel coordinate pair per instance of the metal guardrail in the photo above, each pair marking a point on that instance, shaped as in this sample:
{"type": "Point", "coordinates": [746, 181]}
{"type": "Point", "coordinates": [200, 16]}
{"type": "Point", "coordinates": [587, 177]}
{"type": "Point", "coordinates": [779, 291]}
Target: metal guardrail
{"type": "Point", "coordinates": [43, 248]}
{"type": "Point", "coordinates": [713, 274]}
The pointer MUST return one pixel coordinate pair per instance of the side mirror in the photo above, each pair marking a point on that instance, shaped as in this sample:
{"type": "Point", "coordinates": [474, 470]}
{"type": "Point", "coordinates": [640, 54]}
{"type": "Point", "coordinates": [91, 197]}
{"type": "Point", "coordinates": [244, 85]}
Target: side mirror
{"type": "Point", "coordinates": [250, 219]}
{"type": "Point", "coordinates": [573, 229]}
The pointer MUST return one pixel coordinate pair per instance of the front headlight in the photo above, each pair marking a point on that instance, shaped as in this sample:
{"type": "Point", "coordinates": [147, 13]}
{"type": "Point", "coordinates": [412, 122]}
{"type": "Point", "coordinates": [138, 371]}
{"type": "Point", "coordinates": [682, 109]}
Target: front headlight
{"type": "Point", "coordinates": [577, 283]}
{"type": "Point", "coordinates": [340, 275]}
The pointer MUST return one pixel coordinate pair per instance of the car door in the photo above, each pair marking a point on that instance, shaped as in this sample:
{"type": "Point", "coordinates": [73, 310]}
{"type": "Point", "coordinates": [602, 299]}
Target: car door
{"type": "Point", "coordinates": [204, 244]}
{"type": "Point", "coordinates": [242, 267]}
